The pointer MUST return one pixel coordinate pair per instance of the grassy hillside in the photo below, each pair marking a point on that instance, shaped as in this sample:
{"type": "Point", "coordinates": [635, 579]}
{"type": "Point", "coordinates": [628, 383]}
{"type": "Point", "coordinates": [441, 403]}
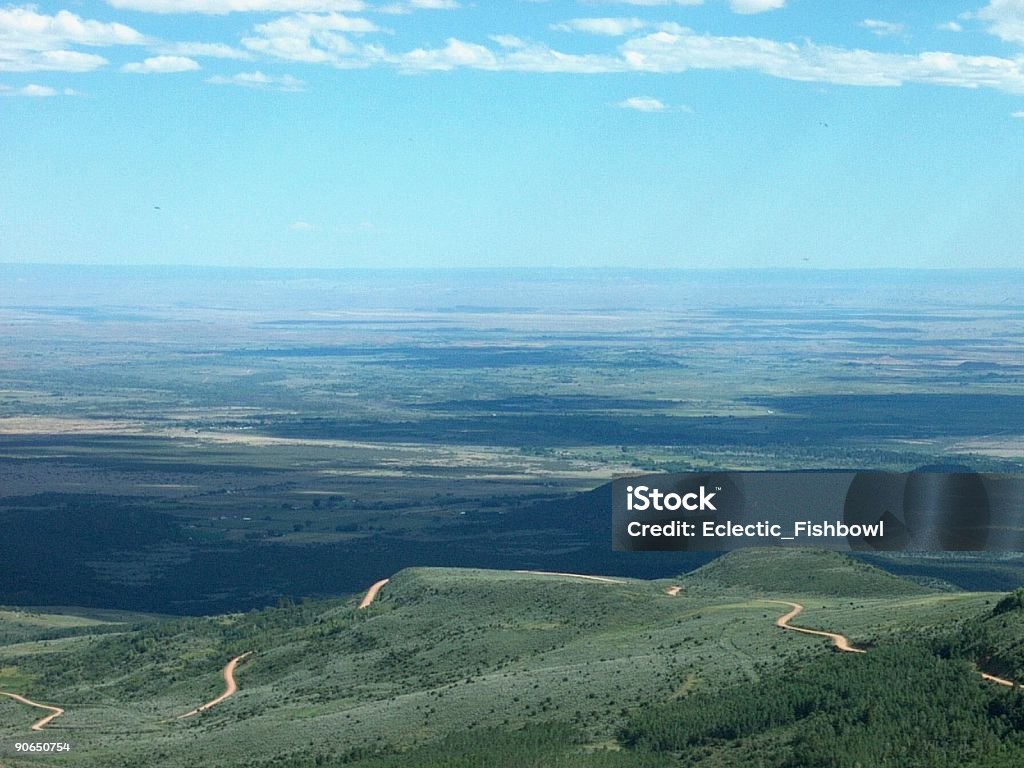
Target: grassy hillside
{"type": "Point", "coordinates": [482, 664]}
{"type": "Point", "coordinates": [804, 571]}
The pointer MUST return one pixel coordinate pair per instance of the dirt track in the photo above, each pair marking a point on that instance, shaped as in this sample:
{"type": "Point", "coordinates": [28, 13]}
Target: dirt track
{"type": "Point", "coordinates": [605, 579]}
{"type": "Point", "coordinates": [842, 642]}
{"type": "Point", "coordinates": [371, 593]}
{"type": "Point", "coordinates": [39, 724]}
{"type": "Point", "coordinates": [229, 690]}
{"type": "Point", "coordinates": [1000, 680]}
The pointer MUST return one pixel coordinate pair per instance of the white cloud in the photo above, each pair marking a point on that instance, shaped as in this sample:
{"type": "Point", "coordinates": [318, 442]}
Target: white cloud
{"type": "Point", "coordinates": [220, 7]}
{"type": "Point", "coordinates": [33, 90]}
{"type": "Point", "coordinates": [509, 41]}
{"type": "Point", "coordinates": [309, 23]}
{"type": "Point", "coordinates": [38, 90]}
{"type": "Point", "coordinates": [644, 2]}
{"type": "Point", "coordinates": [650, 104]}
{"type": "Point", "coordinates": [610, 27]}
{"type": "Point", "coordinates": [205, 50]}
{"type": "Point", "coordinates": [418, 5]}
{"type": "Point", "coordinates": [302, 226]}
{"type": "Point", "coordinates": [24, 26]}
{"type": "Point", "coordinates": [50, 61]}
{"type": "Point", "coordinates": [1006, 19]}
{"type": "Point", "coordinates": [882, 28]}
{"type": "Point", "coordinates": [755, 6]}
{"type": "Point", "coordinates": [259, 81]}
{"type": "Point", "coordinates": [670, 49]}
{"type": "Point", "coordinates": [455, 54]}
{"type": "Point", "coordinates": [685, 50]}
{"type": "Point", "coordinates": [312, 38]}
{"type": "Point", "coordinates": [1017, 114]}
{"type": "Point", "coordinates": [643, 104]}
{"type": "Point", "coordinates": [950, 26]}
{"type": "Point", "coordinates": [334, 39]}
{"type": "Point", "coordinates": [534, 57]}
{"type": "Point", "coordinates": [31, 41]}
{"type": "Point", "coordinates": [160, 65]}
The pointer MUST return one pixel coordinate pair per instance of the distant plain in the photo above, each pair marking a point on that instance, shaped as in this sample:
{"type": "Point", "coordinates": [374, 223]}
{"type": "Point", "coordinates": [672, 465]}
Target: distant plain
{"type": "Point", "coordinates": [196, 441]}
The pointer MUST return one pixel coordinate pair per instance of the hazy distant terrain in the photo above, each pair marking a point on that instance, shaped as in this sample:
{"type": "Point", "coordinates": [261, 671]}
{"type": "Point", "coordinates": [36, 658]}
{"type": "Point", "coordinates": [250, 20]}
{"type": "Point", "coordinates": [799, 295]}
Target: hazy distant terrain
{"type": "Point", "coordinates": [209, 440]}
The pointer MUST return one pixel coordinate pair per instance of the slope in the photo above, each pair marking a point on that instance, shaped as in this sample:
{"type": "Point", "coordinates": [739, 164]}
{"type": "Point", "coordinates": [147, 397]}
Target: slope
{"type": "Point", "coordinates": [440, 652]}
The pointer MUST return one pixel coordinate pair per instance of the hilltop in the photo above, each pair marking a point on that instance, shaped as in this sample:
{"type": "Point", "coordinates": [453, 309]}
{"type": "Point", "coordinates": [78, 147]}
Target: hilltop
{"type": "Point", "coordinates": [801, 571]}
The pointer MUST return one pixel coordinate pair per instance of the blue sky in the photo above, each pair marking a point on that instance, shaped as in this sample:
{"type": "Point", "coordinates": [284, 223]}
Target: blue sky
{"type": "Point", "coordinates": [416, 133]}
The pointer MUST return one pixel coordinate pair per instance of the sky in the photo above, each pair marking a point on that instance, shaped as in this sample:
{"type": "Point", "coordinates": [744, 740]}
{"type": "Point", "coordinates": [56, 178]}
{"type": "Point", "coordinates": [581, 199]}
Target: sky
{"type": "Point", "coordinates": [644, 134]}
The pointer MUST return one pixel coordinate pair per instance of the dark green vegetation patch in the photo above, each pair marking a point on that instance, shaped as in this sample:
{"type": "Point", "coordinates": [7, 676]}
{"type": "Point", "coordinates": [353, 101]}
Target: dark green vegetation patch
{"type": "Point", "coordinates": [899, 706]}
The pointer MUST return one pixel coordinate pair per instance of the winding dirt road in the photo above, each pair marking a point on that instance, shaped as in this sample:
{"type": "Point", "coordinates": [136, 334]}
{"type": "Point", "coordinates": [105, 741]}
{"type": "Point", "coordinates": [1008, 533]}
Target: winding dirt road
{"type": "Point", "coordinates": [605, 579]}
{"type": "Point", "coordinates": [229, 690]}
{"type": "Point", "coordinates": [39, 724]}
{"type": "Point", "coordinates": [842, 642]}
{"type": "Point", "coordinates": [371, 593]}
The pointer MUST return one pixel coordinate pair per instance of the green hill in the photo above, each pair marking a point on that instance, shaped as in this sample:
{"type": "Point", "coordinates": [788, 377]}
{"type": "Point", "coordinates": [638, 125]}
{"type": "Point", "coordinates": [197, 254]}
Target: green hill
{"type": "Point", "coordinates": [489, 667]}
{"type": "Point", "coordinates": [801, 572]}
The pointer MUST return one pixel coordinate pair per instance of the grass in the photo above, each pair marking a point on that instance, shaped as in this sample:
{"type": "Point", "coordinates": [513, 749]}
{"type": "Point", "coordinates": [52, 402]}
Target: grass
{"type": "Point", "coordinates": [808, 572]}
{"type": "Point", "coordinates": [446, 651]}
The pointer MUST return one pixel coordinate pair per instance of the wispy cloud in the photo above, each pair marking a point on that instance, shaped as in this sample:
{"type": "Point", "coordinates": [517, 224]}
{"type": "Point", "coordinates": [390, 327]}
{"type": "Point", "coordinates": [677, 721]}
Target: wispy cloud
{"type": "Point", "coordinates": [50, 61]}
{"type": "Point", "coordinates": [643, 104]}
{"type": "Point", "coordinates": [755, 6]}
{"type": "Point", "coordinates": [509, 41]}
{"type": "Point", "coordinates": [36, 91]}
{"type": "Point", "coordinates": [204, 50]}
{"type": "Point", "coordinates": [532, 57]}
{"type": "Point", "coordinates": [643, 2]}
{"type": "Point", "coordinates": [611, 27]}
{"type": "Point", "coordinates": [650, 104]}
{"type": "Point", "coordinates": [418, 5]}
{"type": "Point", "coordinates": [221, 7]}
{"type": "Point", "coordinates": [684, 50]}
{"type": "Point", "coordinates": [882, 28]}
{"type": "Point", "coordinates": [950, 26]}
{"type": "Point", "coordinates": [259, 81]}
{"type": "Point", "coordinates": [161, 65]}
{"type": "Point", "coordinates": [338, 34]}
{"type": "Point", "coordinates": [671, 49]}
